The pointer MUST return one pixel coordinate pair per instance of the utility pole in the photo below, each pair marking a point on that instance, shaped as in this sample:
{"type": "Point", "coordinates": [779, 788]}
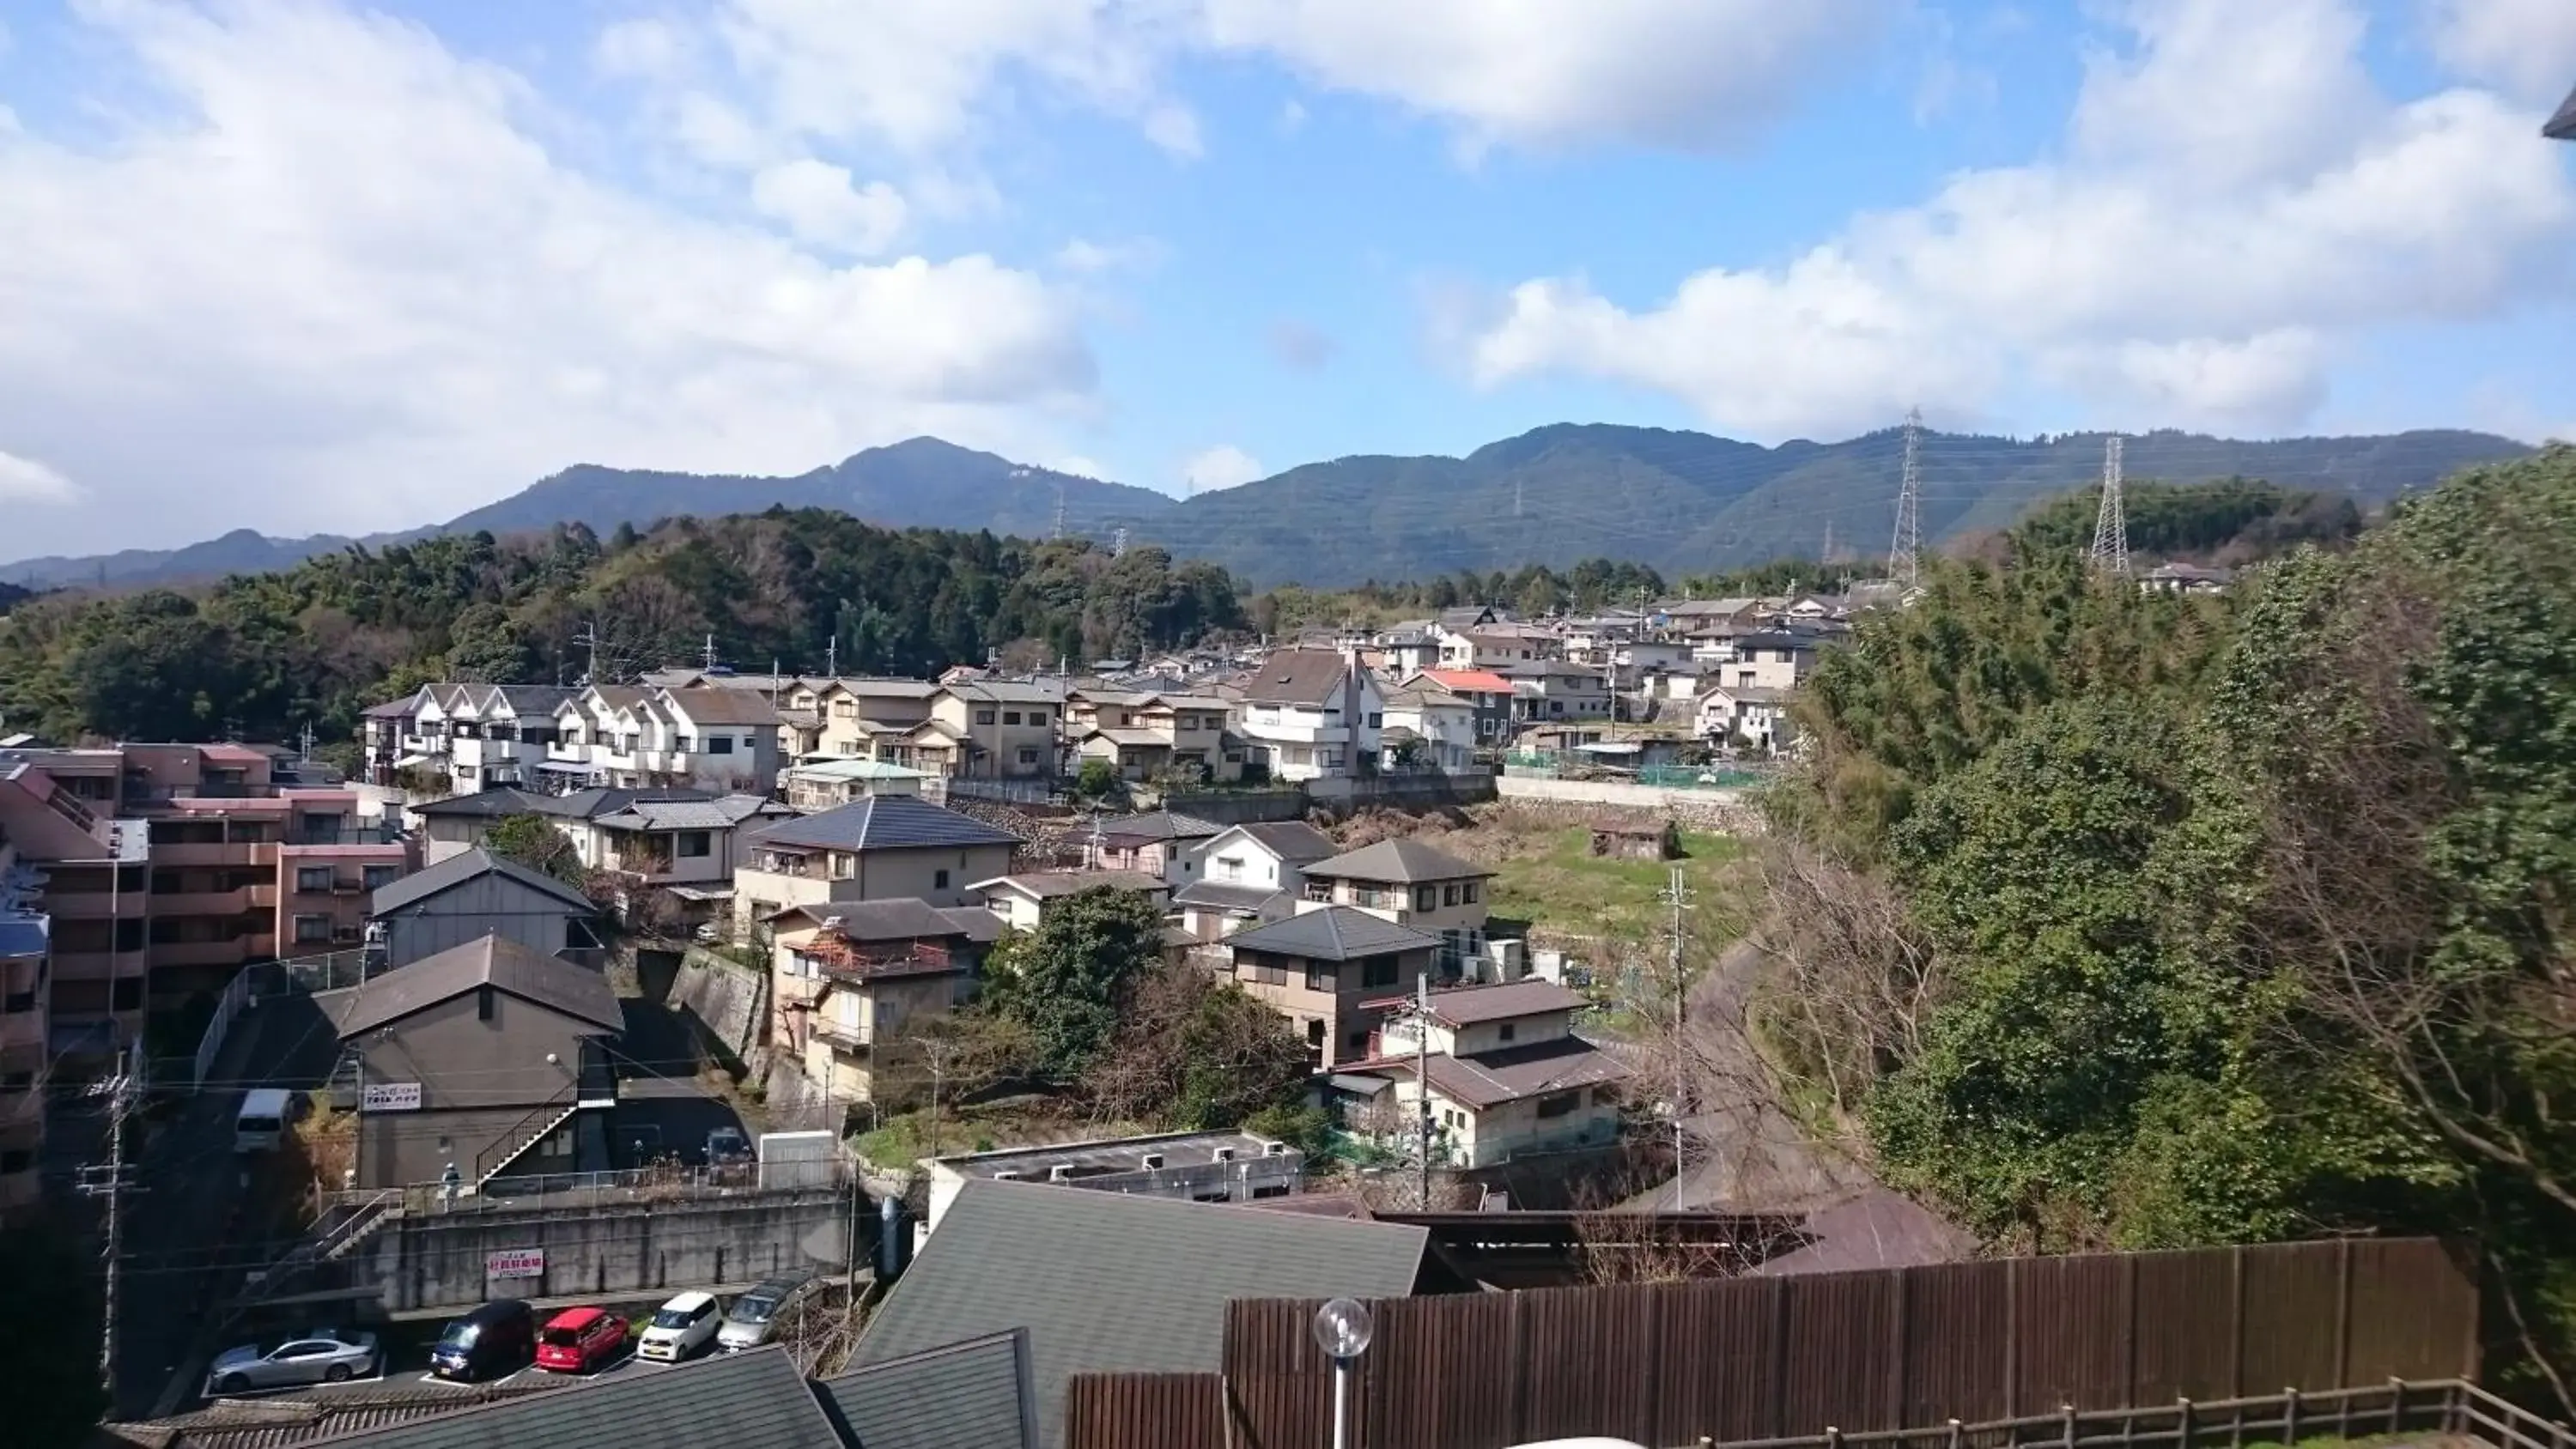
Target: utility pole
{"type": "Point", "coordinates": [1905, 556]}
{"type": "Point", "coordinates": [832, 656]}
{"type": "Point", "coordinates": [107, 1180]}
{"type": "Point", "coordinates": [305, 741]}
{"type": "Point", "coordinates": [708, 654]}
{"type": "Point", "coordinates": [2111, 524]}
{"type": "Point", "coordinates": [588, 639]}
{"type": "Point", "coordinates": [1677, 895]}
{"type": "Point", "coordinates": [1828, 556]}
{"type": "Point", "coordinates": [1422, 1077]}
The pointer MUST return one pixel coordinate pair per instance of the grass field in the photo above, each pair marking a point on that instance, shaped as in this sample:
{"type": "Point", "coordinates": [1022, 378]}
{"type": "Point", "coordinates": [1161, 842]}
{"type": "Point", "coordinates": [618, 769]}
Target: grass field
{"type": "Point", "coordinates": [1554, 881]}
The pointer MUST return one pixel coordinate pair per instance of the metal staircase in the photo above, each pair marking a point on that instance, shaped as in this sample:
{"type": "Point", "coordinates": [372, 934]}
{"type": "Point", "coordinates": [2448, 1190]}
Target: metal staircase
{"type": "Point", "coordinates": [530, 1130]}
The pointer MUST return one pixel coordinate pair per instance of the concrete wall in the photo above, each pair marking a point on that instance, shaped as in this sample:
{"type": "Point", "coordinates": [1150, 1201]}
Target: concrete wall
{"type": "Point", "coordinates": [1617, 792]}
{"type": "Point", "coordinates": [1236, 807]}
{"type": "Point", "coordinates": [1343, 795]}
{"type": "Point", "coordinates": [726, 998]}
{"type": "Point", "coordinates": [437, 1261]}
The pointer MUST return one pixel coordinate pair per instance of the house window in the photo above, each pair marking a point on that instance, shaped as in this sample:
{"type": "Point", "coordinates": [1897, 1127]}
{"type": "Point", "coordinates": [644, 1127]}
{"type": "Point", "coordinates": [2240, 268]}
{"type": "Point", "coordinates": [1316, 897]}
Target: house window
{"type": "Point", "coordinates": [380, 876]}
{"type": "Point", "coordinates": [1377, 971]}
{"type": "Point", "coordinates": [1376, 721]}
{"type": "Point", "coordinates": [1744, 679]}
{"type": "Point", "coordinates": [719, 744]}
{"type": "Point", "coordinates": [484, 1003]}
{"type": "Point", "coordinates": [1449, 895]}
{"type": "Point", "coordinates": [1467, 892]}
{"type": "Point", "coordinates": [983, 716]}
{"type": "Point", "coordinates": [1424, 899]}
{"type": "Point", "coordinates": [313, 879]}
{"type": "Point", "coordinates": [1559, 1104]}
{"type": "Point", "coordinates": [1320, 976]}
{"type": "Point", "coordinates": [1010, 716]}
{"type": "Point", "coordinates": [694, 843]}
{"type": "Point", "coordinates": [1229, 867]}
{"type": "Point", "coordinates": [939, 880]}
{"type": "Point", "coordinates": [1189, 724]}
{"type": "Point", "coordinates": [312, 928]}
{"type": "Point", "coordinates": [1314, 1038]}
{"type": "Point", "coordinates": [1507, 1029]}
{"type": "Point", "coordinates": [1028, 755]}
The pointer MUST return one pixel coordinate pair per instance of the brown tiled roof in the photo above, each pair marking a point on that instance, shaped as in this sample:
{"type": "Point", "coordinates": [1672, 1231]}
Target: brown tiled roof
{"type": "Point", "coordinates": [709, 704]}
{"type": "Point", "coordinates": [1296, 676]}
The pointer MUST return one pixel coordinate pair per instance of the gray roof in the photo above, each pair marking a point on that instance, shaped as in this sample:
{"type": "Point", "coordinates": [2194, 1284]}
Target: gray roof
{"type": "Point", "coordinates": [906, 918]}
{"type": "Point", "coordinates": [549, 981]}
{"type": "Point", "coordinates": [1297, 676]}
{"type": "Point", "coordinates": [1335, 933]}
{"type": "Point", "coordinates": [1291, 840]}
{"type": "Point", "coordinates": [969, 1395]}
{"type": "Point", "coordinates": [884, 822]}
{"type": "Point", "coordinates": [718, 814]}
{"type": "Point", "coordinates": [756, 1397]}
{"type": "Point", "coordinates": [474, 864]}
{"type": "Point", "coordinates": [1397, 862]}
{"type": "Point", "coordinates": [1227, 896]}
{"type": "Point", "coordinates": [1510, 1000]}
{"type": "Point", "coordinates": [720, 706]}
{"type": "Point", "coordinates": [1048, 884]}
{"type": "Point", "coordinates": [1105, 1282]}
{"type": "Point", "coordinates": [1489, 1079]}
{"type": "Point", "coordinates": [1159, 825]}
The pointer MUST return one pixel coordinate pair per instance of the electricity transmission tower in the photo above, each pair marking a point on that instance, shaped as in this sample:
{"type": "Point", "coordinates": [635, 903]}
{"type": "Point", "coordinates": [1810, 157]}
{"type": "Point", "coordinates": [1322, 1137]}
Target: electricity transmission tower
{"type": "Point", "coordinates": [1905, 556]}
{"type": "Point", "coordinates": [2111, 524]}
{"type": "Point", "coordinates": [1059, 510]}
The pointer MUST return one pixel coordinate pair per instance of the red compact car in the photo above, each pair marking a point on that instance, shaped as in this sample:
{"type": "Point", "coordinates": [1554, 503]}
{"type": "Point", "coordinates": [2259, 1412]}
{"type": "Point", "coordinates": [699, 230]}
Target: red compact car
{"type": "Point", "coordinates": [579, 1340]}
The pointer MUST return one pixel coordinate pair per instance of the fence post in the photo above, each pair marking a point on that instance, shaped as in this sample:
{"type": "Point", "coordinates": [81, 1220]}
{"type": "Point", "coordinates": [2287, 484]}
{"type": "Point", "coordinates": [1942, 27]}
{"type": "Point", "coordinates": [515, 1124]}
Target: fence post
{"type": "Point", "coordinates": [1955, 1436]}
{"type": "Point", "coordinates": [2066, 1420]}
{"type": "Point", "coordinates": [2290, 1415]}
{"type": "Point", "coordinates": [2396, 1404]}
{"type": "Point", "coordinates": [1833, 1437]}
{"type": "Point", "coordinates": [2182, 1434]}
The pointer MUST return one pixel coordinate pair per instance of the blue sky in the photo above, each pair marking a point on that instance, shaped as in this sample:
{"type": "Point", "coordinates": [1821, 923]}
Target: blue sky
{"type": "Point", "coordinates": [302, 265]}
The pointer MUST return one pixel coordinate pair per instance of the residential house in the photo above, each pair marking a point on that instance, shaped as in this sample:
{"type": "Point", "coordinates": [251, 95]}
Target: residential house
{"type": "Point", "coordinates": [1765, 659]}
{"type": "Point", "coordinates": [2183, 578]}
{"type": "Point", "coordinates": [1488, 694]}
{"type": "Point", "coordinates": [1497, 645]}
{"type": "Point", "coordinates": [983, 729]}
{"type": "Point", "coordinates": [723, 739]}
{"type": "Point", "coordinates": [668, 842]}
{"type": "Point", "coordinates": [1757, 715]}
{"type": "Point", "coordinates": [26, 950]}
{"type": "Point", "coordinates": [1554, 690]}
{"type": "Point", "coordinates": [1414, 885]}
{"type": "Point", "coordinates": [489, 1056]}
{"type": "Point", "coordinates": [1021, 901]}
{"type": "Point", "coordinates": [1310, 714]}
{"type": "Point", "coordinates": [1143, 736]}
{"type": "Point", "coordinates": [1227, 1166]}
{"type": "Point", "coordinates": [1249, 873]}
{"type": "Point", "coordinates": [1407, 649]}
{"type": "Point", "coordinates": [707, 737]}
{"type": "Point", "coordinates": [1322, 969]}
{"type": "Point", "coordinates": [474, 894]}
{"type": "Point", "coordinates": [1507, 1075]}
{"type": "Point", "coordinates": [850, 980]}
{"type": "Point", "coordinates": [1157, 843]}
{"type": "Point", "coordinates": [886, 847]}
{"type": "Point", "coordinates": [386, 733]}
{"type": "Point", "coordinates": [824, 784]}
{"type": "Point", "coordinates": [1063, 1265]}
{"type": "Point", "coordinates": [472, 735]}
{"type": "Point", "coordinates": [857, 713]}
{"type": "Point", "coordinates": [1428, 727]}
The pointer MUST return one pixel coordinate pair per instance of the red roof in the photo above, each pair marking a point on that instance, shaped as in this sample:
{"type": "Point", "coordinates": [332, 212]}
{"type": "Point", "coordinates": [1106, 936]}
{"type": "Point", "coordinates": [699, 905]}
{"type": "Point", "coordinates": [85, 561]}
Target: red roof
{"type": "Point", "coordinates": [1480, 681]}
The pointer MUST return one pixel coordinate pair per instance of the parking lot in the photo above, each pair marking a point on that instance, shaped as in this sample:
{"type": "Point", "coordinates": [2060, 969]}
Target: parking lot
{"type": "Point", "coordinates": [406, 1370]}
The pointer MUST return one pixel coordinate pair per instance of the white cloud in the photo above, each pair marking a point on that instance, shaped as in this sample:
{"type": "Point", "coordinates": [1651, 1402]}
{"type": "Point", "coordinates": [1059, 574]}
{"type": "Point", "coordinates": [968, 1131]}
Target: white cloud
{"type": "Point", "coordinates": [331, 280]}
{"type": "Point", "coordinates": [2528, 47]}
{"type": "Point", "coordinates": [24, 480]}
{"type": "Point", "coordinates": [1223, 466]}
{"type": "Point", "coordinates": [1691, 74]}
{"type": "Point", "coordinates": [1083, 255]}
{"type": "Point", "coordinates": [2179, 264]}
{"type": "Point", "coordinates": [1300, 345]}
{"type": "Point", "coordinates": [1079, 466]}
{"type": "Point", "coordinates": [818, 203]}
{"type": "Point", "coordinates": [640, 49]}
{"type": "Point", "coordinates": [1292, 117]}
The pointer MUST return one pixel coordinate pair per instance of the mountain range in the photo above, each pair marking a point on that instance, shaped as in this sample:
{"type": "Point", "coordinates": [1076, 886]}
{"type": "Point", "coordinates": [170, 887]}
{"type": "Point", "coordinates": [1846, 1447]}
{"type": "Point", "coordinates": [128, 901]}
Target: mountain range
{"type": "Point", "coordinates": [1681, 502]}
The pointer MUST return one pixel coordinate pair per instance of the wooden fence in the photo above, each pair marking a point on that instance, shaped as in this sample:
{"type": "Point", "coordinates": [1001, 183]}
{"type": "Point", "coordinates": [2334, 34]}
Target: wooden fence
{"type": "Point", "coordinates": [1867, 1352]}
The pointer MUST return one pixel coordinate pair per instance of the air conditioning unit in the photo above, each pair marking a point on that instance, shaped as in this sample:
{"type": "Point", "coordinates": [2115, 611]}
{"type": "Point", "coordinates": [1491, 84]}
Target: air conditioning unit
{"type": "Point", "coordinates": [1153, 1162]}
{"type": "Point", "coordinates": [1274, 1149]}
{"type": "Point", "coordinates": [1225, 1154]}
{"type": "Point", "coordinates": [1008, 1174]}
{"type": "Point", "coordinates": [1061, 1172]}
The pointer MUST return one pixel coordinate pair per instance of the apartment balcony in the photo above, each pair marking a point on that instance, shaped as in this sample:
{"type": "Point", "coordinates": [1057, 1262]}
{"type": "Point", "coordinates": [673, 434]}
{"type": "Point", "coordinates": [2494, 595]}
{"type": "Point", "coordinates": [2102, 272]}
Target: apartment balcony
{"type": "Point", "coordinates": [234, 952]}
{"type": "Point", "coordinates": [845, 1039]}
{"type": "Point", "coordinates": [95, 905]}
{"type": "Point", "coordinates": [21, 1032]}
{"type": "Point", "coordinates": [227, 853]}
{"type": "Point", "coordinates": [71, 965]}
{"type": "Point", "coordinates": [215, 903]}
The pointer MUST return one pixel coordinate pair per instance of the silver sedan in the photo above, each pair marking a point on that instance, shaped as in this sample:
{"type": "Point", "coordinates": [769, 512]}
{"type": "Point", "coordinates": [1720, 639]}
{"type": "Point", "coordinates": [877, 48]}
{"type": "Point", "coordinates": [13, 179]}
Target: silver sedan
{"type": "Point", "coordinates": [324, 1356]}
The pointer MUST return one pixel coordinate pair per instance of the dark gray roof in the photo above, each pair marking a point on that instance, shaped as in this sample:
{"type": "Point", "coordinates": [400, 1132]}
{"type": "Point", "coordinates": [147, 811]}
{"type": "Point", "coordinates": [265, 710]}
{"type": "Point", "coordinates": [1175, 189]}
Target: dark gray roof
{"type": "Point", "coordinates": [884, 822]}
{"type": "Point", "coordinates": [980, 925]}
{"type": "Point", "coordinates": [1297, 676]}
{"type": "Point", "coordinates": [1108, 1283]}
{"type": "Point", "coordinates": [2562, 127]}
{"type": "Point", "coordinates": [1505, 1001]}
{"type": "Point", "coordinates": [491, 804]}
{"type": "Point", "coordinates": [596, 801]}
{"type": "Point", "coordinates": [746, 1398]}
{"type": "Point", "coordinates": [1159, 825]}
{"type": "Point", "coordinates": [1226, 896]}
{"type": "Point", "coordinates": [1486, 1080]}
{"type": "Point", "coordinates": [722, 813]}
{"type": "Point", "coordinates": [969, 1395]}
{"type": "Point", "coordinates": [403, 708]}
{"type": "Point", "coordinates": [456, 870]}
{"type": "Point", "coordinates": [549, 981]}
{"type": "Point", "coordinates": [1335, 933]}
{"type": "Point", "coordinates": [907, 918]}
{"type": "Point", "coordinates": [1293, 840]}
{"type": "Point", "coordinates": [1047, 885]}
{"type": "Point", "coordinates": [1396, 862]}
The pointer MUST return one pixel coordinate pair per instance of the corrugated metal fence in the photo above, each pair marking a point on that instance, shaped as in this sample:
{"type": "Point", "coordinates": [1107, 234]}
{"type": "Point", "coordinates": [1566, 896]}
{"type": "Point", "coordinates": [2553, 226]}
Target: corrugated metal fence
{"type": "Point", "coordinates": [1760, 1358]}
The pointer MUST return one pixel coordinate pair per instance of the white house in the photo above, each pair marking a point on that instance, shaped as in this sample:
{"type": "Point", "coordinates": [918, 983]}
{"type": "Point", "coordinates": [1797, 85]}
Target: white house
{"type": "Point", "coordinates": [1759, 714]}
{"type": "Point", "coordinates": [1507, 1075]}
{"type": "Point", "coordinates": [1021, 901]}
{"type": "Point", "coordinates": [481, 735]}
{"type": "Point", "coordinates": [705, 737]}
{"type": "Point", "coordinates": [1440, 725]}
{"type": "Point", "coordinates": [1310, 714]}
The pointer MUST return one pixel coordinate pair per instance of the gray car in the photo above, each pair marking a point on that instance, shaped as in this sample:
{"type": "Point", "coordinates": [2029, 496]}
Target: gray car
{"type": "Point", "coordinates": [323, 1356]}
{"type": "Point", "coordinates": [754, 1317]}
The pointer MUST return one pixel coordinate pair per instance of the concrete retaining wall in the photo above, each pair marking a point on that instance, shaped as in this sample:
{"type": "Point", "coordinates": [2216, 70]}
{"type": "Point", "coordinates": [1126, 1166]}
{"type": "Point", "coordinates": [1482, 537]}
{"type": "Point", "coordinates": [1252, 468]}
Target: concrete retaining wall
{"type": "Point", "coordinates": [1728, 810]}
{"type": "Point", "coordinates": [440, 1261]}
{"type": "Point", "coordinates": [1238, 807]}
{"type": "Point", "coordinates": [730, 1001]}
{"type": "Point", "coordinates": [1400, 791]}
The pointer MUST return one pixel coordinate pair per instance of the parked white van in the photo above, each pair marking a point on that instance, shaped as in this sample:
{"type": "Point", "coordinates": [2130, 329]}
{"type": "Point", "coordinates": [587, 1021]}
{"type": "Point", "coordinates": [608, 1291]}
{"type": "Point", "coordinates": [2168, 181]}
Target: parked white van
{"type": "Point", "coordinates": [261, 1124]}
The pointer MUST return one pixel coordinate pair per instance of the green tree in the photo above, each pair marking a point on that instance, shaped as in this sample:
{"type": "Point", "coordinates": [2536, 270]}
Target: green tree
{"type": "Point", "coordinates": [1192, 1053]}
{"type": "Point", "coordinates": [1065, 981]}
{"type": "Point", "coordinates": [535, 842]}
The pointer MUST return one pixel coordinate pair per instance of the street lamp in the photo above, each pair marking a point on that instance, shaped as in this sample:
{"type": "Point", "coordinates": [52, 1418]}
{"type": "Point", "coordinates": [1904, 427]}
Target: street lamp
{"type": "Point", "coordinates": [1342, 1330]}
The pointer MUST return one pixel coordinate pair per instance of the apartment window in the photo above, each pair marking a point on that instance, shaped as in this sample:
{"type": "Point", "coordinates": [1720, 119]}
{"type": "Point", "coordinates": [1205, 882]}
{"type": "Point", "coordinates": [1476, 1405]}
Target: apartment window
{"type": "Point", "coordinates": [1010, 717]}
{"type": "Point", "coordinates": [695, 844]}
{"type": "Point", "coordinates": [1376, 720]}
{"type": "Point", "coordinates": [1028, 755]}
{"type": "Point", "coordinates": [313, 879]}
{"type": "Point", "coordinates": [1377, 971]}
{"type": "Point", "coordinates": [129, 934]}
{"type": "Point", "coordinates": [312, 928]}
{"type": "Point", "coordinates": [1423, 898]}
{"type": "Point", "coordinates": [939, 880]}
{"type": "Point", "coordinates": [719, 744]}
{"type": "Point", "coordinates": [1506, 1030]}
{"type": "Point", "coordinates": [983, 716]}
{"type": "Point", "coordinates": [1558, 1104]}
{"type": "Point", "coordinates": [1449, 895]}
{"type": "Point", "coordinates": [380, 876]}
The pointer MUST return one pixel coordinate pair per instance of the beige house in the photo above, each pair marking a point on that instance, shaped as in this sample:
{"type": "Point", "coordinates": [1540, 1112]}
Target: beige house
{"type": "Point", "coordinates": [1157, 842]}
{"type": "Point", "coordinates": [852, 715]}
{"type": "Point", "coordinates": [1328, 971]}
{"type": "Point", "coordinates": [851, 983]}
{"type": "Point", "coordinates": [885, 847]}
{"type": "Point", "coordinates": [826, 784]}
{"type": "Point", "coordinates": [1410, 884]}
{"type": "Point", "coordinates": [1507, 1073]}
{"type": "Point", "coordinates": [1145, 735]}
{"type": "Point", "coordinates": [1021, 901]}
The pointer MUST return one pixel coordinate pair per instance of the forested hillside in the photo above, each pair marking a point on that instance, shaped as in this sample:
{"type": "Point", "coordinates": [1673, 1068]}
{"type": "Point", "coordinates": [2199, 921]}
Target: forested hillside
{"type": "Point", "coordinates": [260, 656]}
{"type": "Point", "coordinates": [2107, 919]}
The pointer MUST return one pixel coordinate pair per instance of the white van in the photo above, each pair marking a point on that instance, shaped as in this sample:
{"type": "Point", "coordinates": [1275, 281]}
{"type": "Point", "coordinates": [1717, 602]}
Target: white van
{"type": "Point", "coordinates": [261, 1123]}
